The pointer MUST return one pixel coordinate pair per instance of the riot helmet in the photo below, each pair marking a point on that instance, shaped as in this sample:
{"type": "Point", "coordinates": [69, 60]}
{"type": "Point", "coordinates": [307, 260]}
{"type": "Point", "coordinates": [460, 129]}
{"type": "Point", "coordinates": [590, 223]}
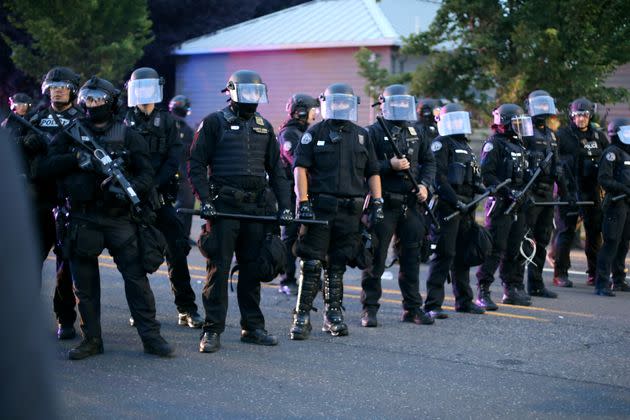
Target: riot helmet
{"type": "Point", "coordinates": [246, 87]}
{"type": "Point", "coordinates": [338, 102]}
{"type": "Point", "coordinates": [20, 103]}
{"type": "Point", "coordinates": [428, 109]}
{"type": "Point", "coordinates": [180, 106]}
{"type": "Point", "coordinates": [453, 120]}
{"type": "Point", "coordinates": [581, 111]}
{"type": "Point", "coordinates": [540, 104]}
{"type": "Point", "coordinates": [619, 130]}
{"type": "Point", "coordinates": [509, 118]}
{"type": "Point", "coordinates": [397, 104]}
{"type": "Point", "coordinates": [99, 98]}
{"type": "Point", "coordinates": [145, 86]}
{"type": "Point", "coordinates": [299, 105]}
{"type": "Point", "coordinates": [61, 78]}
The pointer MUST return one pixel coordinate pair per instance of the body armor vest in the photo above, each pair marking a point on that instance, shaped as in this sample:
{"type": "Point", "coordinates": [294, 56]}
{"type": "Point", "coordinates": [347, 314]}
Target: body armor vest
{"type": "Point", "coordinates": [463, 170]}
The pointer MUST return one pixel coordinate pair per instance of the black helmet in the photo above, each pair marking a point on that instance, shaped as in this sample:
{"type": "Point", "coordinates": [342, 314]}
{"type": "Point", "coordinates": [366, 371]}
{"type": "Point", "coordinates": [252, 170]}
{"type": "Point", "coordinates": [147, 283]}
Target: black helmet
{"type": "Point", "coordinates": [145, 86]}
{"type": "Point", "coordinates": [427, 109]}
{"type": "Point", "coordinates": [99, 88]}
{"type": "Point", "coordinates": [61, 76]}
{"type": "Point", "coordinates": [302, 104]}
{"type": "Point", "coordinates": [20, 98]}
{"type": "Point", "coordinates": [247, 87]}
{"type": "Point", "coordinates": [502, 115]}
{"type": "Point", "coordinates": [453, 120]}
{"type": "Point", "coordinates": [509, 118]}
{"type": "Point", "coordinates": [392, 90]}
{"type": "Point", "coordinates": [397, 104]}
{"type": "Point", "coordinates": [539, 103]}
{"type": "Point", "coordinates": [338, 102]}
{"type": "Point", "coordinates": [616, 132]}
{"type": "Point", "coordinates": [581, 106]}
{"type": "Point", "coordinates": [180, 106]}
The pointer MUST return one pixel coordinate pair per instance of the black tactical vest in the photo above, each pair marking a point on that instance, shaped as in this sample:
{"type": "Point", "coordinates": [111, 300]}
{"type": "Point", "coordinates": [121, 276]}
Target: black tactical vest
{"type": "Point", "coordinates": [463, 170]}
{"type": "Point", "coordinates": [621, 171]}
{"type": "Point", "coordinates": [242, 147]}
{"type": "Point", "coordinates": [514, 162]}
{"type": "Point", "coordinates": [538, 147]}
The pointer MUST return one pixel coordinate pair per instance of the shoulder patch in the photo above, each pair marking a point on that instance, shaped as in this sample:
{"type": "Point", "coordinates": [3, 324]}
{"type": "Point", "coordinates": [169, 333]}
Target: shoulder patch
{"type": "Point", "coordinates": [259, 120]}
{"type": "Point", "coordinates": [488, 147]}
{"type": "Point", "coordinates": [361, 139]}
{"type": "Point", "coordinates": [610, 156]}
{"type": "Point", "coordinates": [412, 131]}
{"type": "Point", "coordinates": [306, 138]}
{"type": "Point", "coordinates": [436, 146]}
{"type": "Point", "coordinates": [286, 146]}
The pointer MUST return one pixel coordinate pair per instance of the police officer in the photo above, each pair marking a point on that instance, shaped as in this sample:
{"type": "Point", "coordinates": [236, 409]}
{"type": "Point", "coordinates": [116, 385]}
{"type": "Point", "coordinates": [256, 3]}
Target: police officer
{"type": "Point", "coordinates": [333, 160]}
{"type": "Point", "coordinates": [427, 109]}
{"type": "Point", "coordinates": [503, 157]}
{"type": "Point", "coordinates": [404, 218]}
{"type": "Point", "coordinates": [179, 107]}
{"type": "Point", "coordinates": [20, 104]}
{"type": "Point", "coordinates": [100, 215]}
{"type": "Point", "coordinates": [614, 177]}
{"type": "Point", "coordinates": [238, 147]}
{"type": "Point", "coordinates": [61, 85]}
{"type": "Point", "coordinates": [539, 219]}
{"type": "Point", "coordinates": [144, 91]}
{"type": "Point", "coordinates": [457, 180]}
{"type": "Point", "coordinates": [302, 110]}
{"type": "Point", "coordinates": [580, 147]}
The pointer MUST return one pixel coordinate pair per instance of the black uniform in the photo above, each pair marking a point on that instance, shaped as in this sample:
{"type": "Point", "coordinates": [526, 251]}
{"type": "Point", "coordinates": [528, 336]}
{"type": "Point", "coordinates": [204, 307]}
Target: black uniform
{"type": "Point", "coordinates": [580, 152]}
{"type": "Point", "coordinates": [45, 195]}
{"type": "Point", "coordinates": [238, 154]}
{"type": "Point", "coordinates": [457, 179]}
{"type": "Point", "coordinates": [288, 137]}
{"type": "Point", "coordinates": [185, 197]}
{"type": "Point", "coordinates": [503, 158]}
{"type": "Point", "coordinates": [539, 219]}
{"type": "Point", "coordinates": [404, 217]}
{"type": "Point", "coordinates": [100, 219]}
{"type": "Point", "coordinates": [614, 177]}
{"type": "Point", "coordinates": [166, 149]}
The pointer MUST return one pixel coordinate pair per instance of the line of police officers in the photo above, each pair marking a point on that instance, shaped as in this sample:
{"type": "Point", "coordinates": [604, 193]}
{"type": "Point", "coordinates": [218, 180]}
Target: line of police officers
{"type": "Point", "coordinates": [355, 179]}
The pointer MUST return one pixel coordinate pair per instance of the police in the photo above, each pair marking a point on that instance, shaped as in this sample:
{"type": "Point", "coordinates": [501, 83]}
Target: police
{"type": "Point", "coordinates": [614, 177]}
{"type": "Point", "coordinates": [20, 104]}
{"type": "Point", "coordinates": [427, 109]}
{"type": "Point", "coordinates": [404, 218]}
{"type": "Point", "coordinates": [580, 147]}
{"type": "Point", "coordinates": [539, 219]}
{"type": "Point", "coordinates": [159, 129]}
{"type": "Point", "coordinates": [179, 107]}
{"type": "Point", "coordinates": [238, 147]}
{"type": "Point", "coordinates": [333, 160]}
{"type": "Point", "coordinates": [503, 157]}
{"type": "Point", "coordinates": [302, 110]}
{"type": "Point", "coordinates": [61, 85]}
{"type": "Point", "coordinates": [457, 180]}
{"type": "Point", "coordinates": [100, 214]}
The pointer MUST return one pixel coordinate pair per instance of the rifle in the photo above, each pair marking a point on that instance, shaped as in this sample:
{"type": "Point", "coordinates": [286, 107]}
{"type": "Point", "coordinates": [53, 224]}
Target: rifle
{"type": "Point", "coordinates": [530, 183]}
{"type": "Point", "coordinates": [407, 172]}
{"type": "Point", "coordinates": [478, 199]}
{"type": "Point", "coordinates": [563, 203]}
{"type": "Point", "coordinates": [20, 120]}
{"type": "Point", "coordinates": [253, 218]}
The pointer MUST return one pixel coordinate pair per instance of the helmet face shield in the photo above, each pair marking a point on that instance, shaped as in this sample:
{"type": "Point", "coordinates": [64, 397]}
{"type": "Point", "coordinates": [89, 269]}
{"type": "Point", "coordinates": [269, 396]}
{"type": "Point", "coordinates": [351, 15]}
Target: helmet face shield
{"type": "Point", "coordinates": [144, 91]}
{"type": "Point", "coordinates": [583, 113]}
{"type": "Point", "coordinates": [624, 134]}
{"type": "Point", "coordinates": [47, 85]}
{"type": "Point", "coordinates": [340, 106]}
{"type": "Point", "coordinates": [93, 97]}
{"type": "Point", "coordinates": [522, 125]}
{"type": "Point", "coordinates": [399, 108]}
{"type": "Point", "coordinates": [454, 123]}
{"type": "Point", "coordinates": [249, 93]}
{"type": "Point", "coordinates": [541, 105]}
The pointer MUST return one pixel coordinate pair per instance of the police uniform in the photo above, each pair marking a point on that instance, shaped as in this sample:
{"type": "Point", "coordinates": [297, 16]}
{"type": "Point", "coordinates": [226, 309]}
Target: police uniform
{"type": "Point", "coordinates": [185, 197]}
{"type": "Point", "coordinates": [100, 219]}
{"type": "Point", "coordinates": [502, 158]}
{"type": "Point", "coordinates": [404, 217]}
{"type": "Point", "coordinates": [165, 148]}
{"type": "Point", "coordinates": [539, 219]}
{"type": "Point", "coordinates": [457, 180]}
{"type": "Point", "coordinates": [580, 152]}
{"type": "Point", "coordinates": [45, 193]}
{"type": "Point", "coordinates": [614, 177]}
{"type": "Point", "coordinates": [238, 153]}
{"type": "Point", "coordinates": [289, 137]}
